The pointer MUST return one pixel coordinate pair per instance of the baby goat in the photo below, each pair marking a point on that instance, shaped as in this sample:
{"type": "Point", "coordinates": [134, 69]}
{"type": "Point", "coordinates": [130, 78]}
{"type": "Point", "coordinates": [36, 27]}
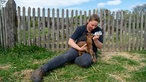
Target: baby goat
{"type": "Point", "coordinates": [89, 46]}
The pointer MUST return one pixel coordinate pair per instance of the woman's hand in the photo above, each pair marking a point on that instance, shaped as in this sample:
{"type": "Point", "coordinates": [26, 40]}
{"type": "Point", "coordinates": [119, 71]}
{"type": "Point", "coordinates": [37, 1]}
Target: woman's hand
{"type": "Point", "coordinates": [96, 37]}
{"type": "Point", "coordinates": [83, 48]}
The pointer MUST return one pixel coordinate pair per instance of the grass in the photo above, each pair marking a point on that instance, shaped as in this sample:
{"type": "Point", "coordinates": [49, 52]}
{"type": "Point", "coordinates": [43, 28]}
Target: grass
{"type": "Point", "coordinates": [17, 64]}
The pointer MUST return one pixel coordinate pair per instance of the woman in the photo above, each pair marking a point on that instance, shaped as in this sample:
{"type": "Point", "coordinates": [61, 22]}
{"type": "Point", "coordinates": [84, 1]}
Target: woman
{"type": "Point", "coordinates": [72, 55]}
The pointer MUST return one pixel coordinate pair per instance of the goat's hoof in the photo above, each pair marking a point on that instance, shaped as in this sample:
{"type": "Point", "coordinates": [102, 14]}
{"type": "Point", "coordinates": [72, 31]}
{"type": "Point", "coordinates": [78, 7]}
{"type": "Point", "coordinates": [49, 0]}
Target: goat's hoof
{"type": "Point", "coordinates": [94, 60]}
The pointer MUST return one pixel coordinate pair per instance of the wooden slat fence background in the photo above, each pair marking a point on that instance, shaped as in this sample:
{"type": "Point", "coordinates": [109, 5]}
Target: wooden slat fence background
{"type": "Point", "coordinates": [51, 28]}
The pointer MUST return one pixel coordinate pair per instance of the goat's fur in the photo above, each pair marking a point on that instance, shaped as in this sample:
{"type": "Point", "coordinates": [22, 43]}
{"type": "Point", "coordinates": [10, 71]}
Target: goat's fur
{"type": "Point", "coordinates": [89, 46]}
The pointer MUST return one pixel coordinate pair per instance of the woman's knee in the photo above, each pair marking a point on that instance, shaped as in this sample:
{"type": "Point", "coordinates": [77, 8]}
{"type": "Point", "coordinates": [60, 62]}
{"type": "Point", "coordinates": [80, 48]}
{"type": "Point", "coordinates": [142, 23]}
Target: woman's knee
{"type": "Point", "coordinates": [84, 61]}
{"type": "Point", "coordinates": [86, 64]}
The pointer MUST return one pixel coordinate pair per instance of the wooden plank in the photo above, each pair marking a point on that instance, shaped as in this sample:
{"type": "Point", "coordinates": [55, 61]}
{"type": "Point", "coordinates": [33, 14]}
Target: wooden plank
{"type": "Point", "coordinates": [117, 33]}
{"type": "Point", "coordinates": [113, 33]}
{"type": "Point", "coordinates": [81, 22]}
{"type": "Point", "coordinates": [101, 23]}
{"type": "Point", "coordinates": [85, 18]}
{"type": "Point", "coordinates": [71, 23]}
{"type": "Point", "coordinates": [33, 27]}
{"type": "Point", "coordinates": [108, 31]}
{"type": "Point", "coordinates": [11, 30]}
{"type": "Point", "coordinates": [3, 29]}
{"type": "Point", "coordinates": [95, 11]}
{"type": "Point", "coordinates": [43, 28]}
{"type": "Point", "coordinates": [132, 35]}
{"type": "Point", "coordinates": [141, 31]}
{"type": "Point", "coordinates": [23, 26]}
{"type": "Point", "coordinates": [49, 30]}
{"type": "Point", "coordinates": [53, 29]}
{"type": "Point", "coordinates": [39, 32]}
{"type": "Point", "coordinates": [19, 25]}
{"type": "Point", "coordinates": [104, 29]}
{"type": "Point", "coordinates": [57, 29]}
{"type": "Point", "coordinates": [89, 13]}
{"type": "Point", "coordinates": [121, 30]}
{"type": "Point", "coordinates": [76, 19]}
{"type": "Point", "coordinates": [67, 29]}
{"type": "Point", "coordinates": [129, 32]}
{"type": "Point", "coordinates": [125, 32]}
{"type": "Point", "coordinates": [144, 31]}
{"type": "Point", "coordinates": [28, 25]}
{"type": "Point", "coordinates": [137, 32]}
{"type": "Point", "coordinates": [62, 29]}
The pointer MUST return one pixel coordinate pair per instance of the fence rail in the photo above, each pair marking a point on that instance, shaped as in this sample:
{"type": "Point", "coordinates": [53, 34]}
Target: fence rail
{"type": "Point", "coordinates": [51, 28]}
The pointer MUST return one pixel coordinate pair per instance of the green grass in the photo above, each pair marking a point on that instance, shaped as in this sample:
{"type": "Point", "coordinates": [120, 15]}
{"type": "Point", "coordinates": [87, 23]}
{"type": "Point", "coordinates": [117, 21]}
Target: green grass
{"type": "Point", "coordinates": [16, 65]}
{"type": "Point", "coordinates": [122, 60]}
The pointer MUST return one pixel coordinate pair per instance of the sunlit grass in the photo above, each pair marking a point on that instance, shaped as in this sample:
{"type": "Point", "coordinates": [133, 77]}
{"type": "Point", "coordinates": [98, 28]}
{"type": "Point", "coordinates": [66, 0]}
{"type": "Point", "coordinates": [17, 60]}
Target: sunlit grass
{"type": "Point", "coordinates": [16, 65]}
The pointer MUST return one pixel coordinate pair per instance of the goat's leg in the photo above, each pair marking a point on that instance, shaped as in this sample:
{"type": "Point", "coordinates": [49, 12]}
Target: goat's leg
{"type": "Point", "coordinates": [94, 58]}
{"type": "Point", "coordinates": [92, 55]}
{"type": "Point", "coordinates": [80, 53]}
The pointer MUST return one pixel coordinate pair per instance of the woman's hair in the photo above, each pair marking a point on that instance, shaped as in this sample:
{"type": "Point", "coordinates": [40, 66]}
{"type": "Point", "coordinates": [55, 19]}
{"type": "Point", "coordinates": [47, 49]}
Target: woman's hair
{"type": "Point", "coordinates": [94, 17]}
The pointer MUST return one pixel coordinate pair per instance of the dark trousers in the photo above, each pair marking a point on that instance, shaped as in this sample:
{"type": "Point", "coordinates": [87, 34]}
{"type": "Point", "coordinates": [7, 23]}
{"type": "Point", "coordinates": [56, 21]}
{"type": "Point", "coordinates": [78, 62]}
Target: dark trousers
{"type": "Point", "coordinates": [70, 56]}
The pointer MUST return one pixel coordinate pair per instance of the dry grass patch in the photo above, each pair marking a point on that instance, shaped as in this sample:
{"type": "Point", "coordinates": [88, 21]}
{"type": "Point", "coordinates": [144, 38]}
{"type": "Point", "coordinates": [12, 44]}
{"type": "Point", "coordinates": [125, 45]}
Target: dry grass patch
{"type": "Point", "coordinates": [117, 77]}
{"type": "Point", "coordinates": [107, 55]}
{"type": "Point", "coordinates": [24, 74]}
{"type": "Point", "coordinates": [4, 67]}
{"type": "Point", "coordinates": [40, 61]}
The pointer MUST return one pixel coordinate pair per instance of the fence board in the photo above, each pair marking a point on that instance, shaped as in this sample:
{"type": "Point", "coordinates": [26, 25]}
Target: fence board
{"type": "Point", "coordinates": [4, 33]}
{"type": "Point", "coordinates": [81, 22]}
{"type": "Point", "coordinates": [43, 28]}
{"type": "Point", "coordinates": [144, 31]}
{"type": "Point", "coordinates": [49, 27]}
{"type": "Point", "coordinates": [57, 29]}
{"type": "Point", "coordinates": [85, 18]}
{"type": "Point", "coordinates": [28, 25]}
{"type": "Point", "coordinates": [19, 24]}
{"type": "Point", "coordinates": [4, 27]}
{"type": "Point", "coordinates": [104, 29]}
{"type": "Point", "coordinates": [141, 32]}
{"type": "Point", "coordinates": [23, 26]}
{"type": "Point", "coordinates": [39, 26]}
{"type": "Point", "coordinates": [67, 28]}
{"type": "Point", "coordinates": [112, 31]}
{"type": "Point", "coordinates": [137, 32]}
{"type": "Point", "coordinates": [62, 29]}
{"type": "Point", "coordinates": [33, 27]}
{"type": "Point", "coordinates": [0, 29]}
{"type": "Point", "coordinates": [129, 32]}
{"type": "Point", "coordinates": [71, 23]}
{"type": "Point", "coordinates": [53, 29]}
{"type": "Point", "coordinates": [117, 33]}
{"type": "Point", "coordinates": [134, 39]}
{"type": "Point", "coordinates": [121, 30]}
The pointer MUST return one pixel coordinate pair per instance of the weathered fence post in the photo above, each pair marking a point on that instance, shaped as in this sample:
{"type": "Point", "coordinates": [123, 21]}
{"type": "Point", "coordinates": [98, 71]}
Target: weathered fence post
{"type": "Point", "coordinates": [11, 28]}
{"type": "Point", "coordinates": [145, 31]}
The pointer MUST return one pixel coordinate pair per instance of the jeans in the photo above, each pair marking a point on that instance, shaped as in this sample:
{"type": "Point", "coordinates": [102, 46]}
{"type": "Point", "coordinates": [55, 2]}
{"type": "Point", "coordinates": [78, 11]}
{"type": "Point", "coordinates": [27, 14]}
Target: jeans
{"type": "Point", "coordinates": [85, 60]}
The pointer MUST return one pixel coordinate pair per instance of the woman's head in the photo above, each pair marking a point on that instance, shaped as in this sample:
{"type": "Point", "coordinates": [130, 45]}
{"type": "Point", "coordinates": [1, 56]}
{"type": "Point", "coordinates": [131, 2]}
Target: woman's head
{"type": "Point", "coordinates": [92, 22]}
{"type": "Point", "coordinates": [94, 17]}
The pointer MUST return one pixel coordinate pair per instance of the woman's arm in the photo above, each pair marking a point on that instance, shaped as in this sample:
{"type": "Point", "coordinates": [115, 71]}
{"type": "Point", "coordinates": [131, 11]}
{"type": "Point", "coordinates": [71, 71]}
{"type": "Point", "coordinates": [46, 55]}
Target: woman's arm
{"type": "Point", "coordinates": [72, 43]}
{"type": "Point", "coordinates": [97, 42]}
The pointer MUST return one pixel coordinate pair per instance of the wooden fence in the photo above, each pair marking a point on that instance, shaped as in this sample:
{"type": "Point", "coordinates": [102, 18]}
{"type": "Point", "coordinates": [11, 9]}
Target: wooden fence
{"type": "Point", "coordinates": [51, 28]}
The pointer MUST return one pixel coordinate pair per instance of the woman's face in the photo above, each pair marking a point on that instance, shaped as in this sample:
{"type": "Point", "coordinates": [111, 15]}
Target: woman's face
{"type": "Point", "coordinates": [91, 25]}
